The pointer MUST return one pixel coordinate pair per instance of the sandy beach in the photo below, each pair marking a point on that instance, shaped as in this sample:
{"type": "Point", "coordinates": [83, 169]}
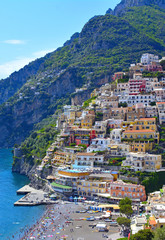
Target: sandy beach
{"type": "Point", "coordinates": [64, 221]}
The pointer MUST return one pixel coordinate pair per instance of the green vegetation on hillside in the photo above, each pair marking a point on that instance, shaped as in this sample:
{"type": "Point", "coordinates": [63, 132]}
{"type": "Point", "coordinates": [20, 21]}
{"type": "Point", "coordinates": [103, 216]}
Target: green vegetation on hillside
{"type": "Point", "coordinates": [153, 181]}
{"type": "Point", "coordinates": [35, 146]}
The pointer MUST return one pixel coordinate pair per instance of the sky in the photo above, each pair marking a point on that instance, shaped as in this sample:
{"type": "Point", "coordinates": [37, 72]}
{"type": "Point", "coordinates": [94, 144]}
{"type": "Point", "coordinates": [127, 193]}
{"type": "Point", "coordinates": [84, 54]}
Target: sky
{"type": "Point", "coordinates": [31, 28]}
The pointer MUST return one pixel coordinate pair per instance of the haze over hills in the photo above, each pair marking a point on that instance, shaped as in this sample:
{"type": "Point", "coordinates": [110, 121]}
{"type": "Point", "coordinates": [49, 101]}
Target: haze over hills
{"type": "Point", "coordinates": [106, 44]}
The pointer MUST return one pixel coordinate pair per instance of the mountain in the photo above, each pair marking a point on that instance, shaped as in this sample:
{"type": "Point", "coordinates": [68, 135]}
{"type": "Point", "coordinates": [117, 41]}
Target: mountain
{"type": "Point", "coordinates": [106, 44]}
{"type": "Point", "coordinates": [10, 85]}
{"type": "Point", "coordinates": [124, 5]}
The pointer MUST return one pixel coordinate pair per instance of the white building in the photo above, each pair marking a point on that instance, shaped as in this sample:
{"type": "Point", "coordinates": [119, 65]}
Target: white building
{"type": "Point", "coordinates": [161, 111]}
{"type": "Point", "coordinates": [87, 160]}
{"type": "Point", "coordinates": [143, 161]}
{"type": "Point", "coordinates": [151, 111]}
{"type": "Point", "coordinates": [148, 58]}
{"type": "Point", "coordinates": [119, 149]}
{"type": "Point", "coordinates": [131, 100]}
{"type": "Point", "coordinates": [99, 144]}
{"type": "Point", "coordinates": [115, 135]}
{"type": "Point", "coordinates": [138, 223]}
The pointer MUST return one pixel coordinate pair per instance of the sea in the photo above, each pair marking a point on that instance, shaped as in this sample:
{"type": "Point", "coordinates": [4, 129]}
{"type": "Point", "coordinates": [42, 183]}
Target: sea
{"type": "Point", "coordinates": [14, 219]}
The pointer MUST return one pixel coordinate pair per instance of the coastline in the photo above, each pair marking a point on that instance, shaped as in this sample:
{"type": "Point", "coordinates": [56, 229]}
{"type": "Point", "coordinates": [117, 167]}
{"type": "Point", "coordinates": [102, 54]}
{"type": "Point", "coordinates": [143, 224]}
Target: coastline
{"type": "Point", "coordinates": [66, 221]}
{"type": "Point", "coordinates": [28, 230]}
{"type": "Point", "coordinates": [51, 223]}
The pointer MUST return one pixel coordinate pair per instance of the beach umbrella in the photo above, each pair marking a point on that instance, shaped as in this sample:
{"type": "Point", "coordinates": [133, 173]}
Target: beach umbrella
{"type": "Point", "coordinates": [64, 236]}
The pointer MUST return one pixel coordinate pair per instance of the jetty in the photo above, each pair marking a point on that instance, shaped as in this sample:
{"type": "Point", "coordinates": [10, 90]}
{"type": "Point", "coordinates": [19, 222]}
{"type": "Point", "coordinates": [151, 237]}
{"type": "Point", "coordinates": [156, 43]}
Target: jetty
{"type": "Point", "coordinates": [33, 197]}
{"type": "Point", "coordinates": [25, 189]}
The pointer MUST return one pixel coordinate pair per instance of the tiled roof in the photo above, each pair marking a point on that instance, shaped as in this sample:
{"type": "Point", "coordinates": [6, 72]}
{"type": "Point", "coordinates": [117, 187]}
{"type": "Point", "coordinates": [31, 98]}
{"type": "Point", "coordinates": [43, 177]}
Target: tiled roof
{"type": "Point", "coordinates": [138, 131]}
{"type": "Point", "coordinates": [147, 118]}
{"type": "Point", "coordinates": [86, 154]}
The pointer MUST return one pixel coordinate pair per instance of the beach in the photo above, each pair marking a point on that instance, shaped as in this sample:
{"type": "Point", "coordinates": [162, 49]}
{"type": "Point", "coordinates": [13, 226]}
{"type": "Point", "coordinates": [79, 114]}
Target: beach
{"type": "Point", "coordinates": [65, 221]}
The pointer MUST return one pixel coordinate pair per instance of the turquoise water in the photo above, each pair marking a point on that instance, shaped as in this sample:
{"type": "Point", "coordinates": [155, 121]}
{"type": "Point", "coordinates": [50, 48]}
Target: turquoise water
{"type": "Point", "coordinates": [13, 219]}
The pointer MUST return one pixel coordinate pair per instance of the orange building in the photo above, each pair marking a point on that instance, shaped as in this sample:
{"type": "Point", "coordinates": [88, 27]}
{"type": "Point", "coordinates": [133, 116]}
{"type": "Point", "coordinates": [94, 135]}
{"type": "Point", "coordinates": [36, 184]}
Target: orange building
{"type": "Point", "coordinates": [133, 191]}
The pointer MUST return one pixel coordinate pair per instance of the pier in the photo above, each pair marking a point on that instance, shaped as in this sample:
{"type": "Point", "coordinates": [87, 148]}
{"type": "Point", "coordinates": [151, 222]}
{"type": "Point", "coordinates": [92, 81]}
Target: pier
{"type": "Point", "coordinates": [33, 197]}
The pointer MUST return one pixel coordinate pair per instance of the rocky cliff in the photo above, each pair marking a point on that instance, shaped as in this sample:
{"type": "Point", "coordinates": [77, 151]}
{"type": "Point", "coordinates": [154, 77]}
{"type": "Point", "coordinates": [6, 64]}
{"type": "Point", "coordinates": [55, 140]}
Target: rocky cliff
{"type": "Point", "coordinates": [125, 4]}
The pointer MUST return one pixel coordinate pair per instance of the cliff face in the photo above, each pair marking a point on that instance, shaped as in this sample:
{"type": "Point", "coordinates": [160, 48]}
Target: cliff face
{"type": "Point", "coordinates": [18, 119]}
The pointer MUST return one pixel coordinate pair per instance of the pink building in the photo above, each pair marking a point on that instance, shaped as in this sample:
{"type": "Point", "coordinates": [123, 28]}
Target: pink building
{"type": "Point", "coordinates": [154, 67]}
{"type": "Point", "coordinates": [137, 85]}
{"type": "Point", "coordinates": [118, 75]}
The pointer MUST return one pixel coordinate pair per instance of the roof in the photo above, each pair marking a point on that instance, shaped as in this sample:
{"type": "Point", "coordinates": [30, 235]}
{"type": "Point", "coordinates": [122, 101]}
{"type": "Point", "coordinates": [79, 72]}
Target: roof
{"type": "Point", "coordinates": [152, 222]}
{"type": "Point", "coordinates": [114, 206]}
{"type": "Point", "coordinates": [161, 220]}
{"type": "Point", "coordinates": [141, 220]}
{"type": "Point", "coordinates": [147, 119]}
{"type": "Point", "coordinates": [61, 153]}
{"type": "Point", "coordinates": [50, 177]}
{"type": "Point", "coordinates": [54, 184]}
{"type": "Point", "coordinates": [113, 147]}
{"type": "Point", "coordinates": [101, 225]}
{"type": "Point", "coordinates": [138, 131]}
{"type": "Point", "coordinates": [86, 154]}
{"type": "Point", "coordinates": [160, 103]}
{"type": "Point", "coordinates": [101, 175]}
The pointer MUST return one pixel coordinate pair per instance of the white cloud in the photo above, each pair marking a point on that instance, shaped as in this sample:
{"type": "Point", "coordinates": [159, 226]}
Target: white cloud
{"type": "Point", "coordinates": [42, 53]}
{"type": "Point", "coordinates": [9, 67]}
{"type": "Point", "coordinates": [14, 41]}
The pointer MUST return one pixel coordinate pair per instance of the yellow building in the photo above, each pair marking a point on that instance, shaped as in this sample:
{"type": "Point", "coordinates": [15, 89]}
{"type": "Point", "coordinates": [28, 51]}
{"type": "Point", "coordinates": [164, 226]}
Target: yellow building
{"type": "Point", "coordinates": [125, 124]}
{"type": "Point", "coordinates": [144, 124]}
{"type": "Point", "coordinates": [63, 158]}
{"type": "Point", "coordinates": [140, 124]}
{"type": "Point", "coordinates": [88, 121]}
{"type": "Point", "coordinates": [73, 115]}
{"type": "Point", "coordinates": [72, 173]}
{"type": "Point", "coordinates": [95, 184]}
{"type": "Point", "coordinates": [90, 188]}
{"type": "Point", "coordinates": [143, 146]}
{"type": "Point", "coordinates": [140, 134]}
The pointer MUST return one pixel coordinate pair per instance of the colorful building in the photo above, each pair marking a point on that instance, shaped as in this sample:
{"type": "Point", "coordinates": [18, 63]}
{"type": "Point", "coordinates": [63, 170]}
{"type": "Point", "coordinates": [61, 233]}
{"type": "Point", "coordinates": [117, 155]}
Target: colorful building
{"type": "Point", "coordinates": [63, 158]}
{"type": "Point", "coordinates": [140, 134]}
{"type": "Point", "coordinates": [120, 189]}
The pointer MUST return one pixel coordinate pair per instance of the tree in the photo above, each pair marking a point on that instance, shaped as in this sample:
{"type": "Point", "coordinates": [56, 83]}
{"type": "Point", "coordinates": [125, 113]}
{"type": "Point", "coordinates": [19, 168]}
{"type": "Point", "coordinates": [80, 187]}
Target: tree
{"type": "Point", "coordinates": [125, 206]}
{"type": "Point", "coordinates": [159, 234]}
{"type": "Point", "coordinates": [126, 209]}
{"type": "Point", "coordinates": [125, 201]}
{"type": "Point", "coordinates": [124, 221]}
{"type": "Point", "coordinates": [162, 63]}
{"type": "Point", "coordinates": [145, 234]}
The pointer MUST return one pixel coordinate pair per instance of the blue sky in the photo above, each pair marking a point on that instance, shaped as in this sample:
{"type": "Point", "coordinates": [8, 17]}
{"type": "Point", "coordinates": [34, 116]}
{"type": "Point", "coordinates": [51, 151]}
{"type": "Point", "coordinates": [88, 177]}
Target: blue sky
{"type": "Point", "coordinates": [32, 28]}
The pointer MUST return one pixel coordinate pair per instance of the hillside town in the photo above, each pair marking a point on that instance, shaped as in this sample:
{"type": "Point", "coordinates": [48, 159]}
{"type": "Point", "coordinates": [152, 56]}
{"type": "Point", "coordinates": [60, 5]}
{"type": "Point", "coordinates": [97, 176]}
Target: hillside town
{"type": "Point", "coordinates": [106, 142]}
